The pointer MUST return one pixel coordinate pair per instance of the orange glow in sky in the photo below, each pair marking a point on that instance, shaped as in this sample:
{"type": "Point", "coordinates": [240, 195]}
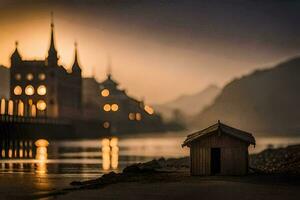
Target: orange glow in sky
{"type": "Point", "coordinates": [147, 68]}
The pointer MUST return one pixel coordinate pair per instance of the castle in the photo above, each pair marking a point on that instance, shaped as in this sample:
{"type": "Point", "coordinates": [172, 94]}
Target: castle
{"type": "Point", "coordinates": [46, 86]}
{"type": "Point", "coordinates": [51, 91]}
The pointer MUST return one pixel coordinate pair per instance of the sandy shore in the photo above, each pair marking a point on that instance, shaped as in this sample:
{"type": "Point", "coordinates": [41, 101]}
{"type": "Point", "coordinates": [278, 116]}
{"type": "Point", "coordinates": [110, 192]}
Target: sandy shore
{"type": "Point", "coordinates": [160, 186]}
{"type": "Point", "coordinates": [182, 186]}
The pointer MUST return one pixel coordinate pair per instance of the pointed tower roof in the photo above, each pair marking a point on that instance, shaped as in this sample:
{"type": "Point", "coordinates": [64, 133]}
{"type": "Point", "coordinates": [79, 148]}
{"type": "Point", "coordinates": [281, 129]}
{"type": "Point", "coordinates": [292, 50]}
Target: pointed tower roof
{"type": "Point", "coordinates": [16, 55]}
{"type": "Point", "coordinates": [52, 46]}
{"type": "Point", "coordinates": [76, 66]}
{"type": "Point", "coordinates": [52, 53]}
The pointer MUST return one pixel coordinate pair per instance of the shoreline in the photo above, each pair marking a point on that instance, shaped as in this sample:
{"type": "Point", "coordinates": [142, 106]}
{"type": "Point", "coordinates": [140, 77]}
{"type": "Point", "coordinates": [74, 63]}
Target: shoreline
{"type": "Point", "coordinates": [147, 180]}
{"type": "Point", "coordinates": [271, 167]}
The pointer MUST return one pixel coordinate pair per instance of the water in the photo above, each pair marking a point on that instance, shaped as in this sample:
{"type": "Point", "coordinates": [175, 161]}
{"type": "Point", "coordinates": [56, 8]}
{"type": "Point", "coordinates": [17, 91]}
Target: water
{"type": "Point", "coordinates": [66, 161]}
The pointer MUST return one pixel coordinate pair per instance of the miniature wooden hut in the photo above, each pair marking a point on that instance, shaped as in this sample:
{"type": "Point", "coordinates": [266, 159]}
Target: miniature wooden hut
{"type": "Point", "coordinates": [219, 149]}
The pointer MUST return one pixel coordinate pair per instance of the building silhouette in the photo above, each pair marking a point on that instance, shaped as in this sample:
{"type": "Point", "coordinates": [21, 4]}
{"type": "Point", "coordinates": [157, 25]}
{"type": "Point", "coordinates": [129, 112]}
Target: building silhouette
{"type": "Point", "coordinates": [90, 98]}
{"type": "Point", "coordinates": [51, 91]}
{"type": "Point", "coordinates": [45, 85]}
{"type": "Point", "coordinates": [116, 110]}
{"type": "Point", "coordinates": [124, 114]}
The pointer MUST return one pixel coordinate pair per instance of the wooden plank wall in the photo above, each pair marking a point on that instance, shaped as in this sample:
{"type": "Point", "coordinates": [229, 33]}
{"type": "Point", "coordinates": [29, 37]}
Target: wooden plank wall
{"type": "Point", "coordinates": [234, 155]}
{"type": "Point", "coordinates": [233, 161]}
{"type": "Point", "coordinates": [200, 160]}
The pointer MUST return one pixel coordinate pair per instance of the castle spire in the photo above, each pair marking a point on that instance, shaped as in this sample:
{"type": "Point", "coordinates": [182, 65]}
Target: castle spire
{"type": "Point", "coordinates": [76, 66]}
{"type": "Point", "coordinates": [76, 52]}
{"type": "Point", "coordinates": [16, 50]}
{"type": "Point", "coordinates": [16, 57]}
{"type": "Point", "coordinates": [52, 33]}
{"type": "Point", "coordinates": [52, 53]}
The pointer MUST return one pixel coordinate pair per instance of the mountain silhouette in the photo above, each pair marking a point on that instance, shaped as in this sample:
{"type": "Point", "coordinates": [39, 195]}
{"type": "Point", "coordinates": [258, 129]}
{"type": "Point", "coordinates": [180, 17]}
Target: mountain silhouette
{"type": "Point", "coordinates": [265, 101]}
{"type": "Point", "coordinates": [189, 105]}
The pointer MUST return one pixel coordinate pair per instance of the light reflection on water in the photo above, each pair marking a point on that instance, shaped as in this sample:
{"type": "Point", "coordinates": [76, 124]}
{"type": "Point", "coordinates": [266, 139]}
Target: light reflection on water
{"type": "Point", "coordinates": [41, 156]}
{"type": "Point", "coordinates": [110, 154]}
{"type": "Point", "coordinates": [87, 159]}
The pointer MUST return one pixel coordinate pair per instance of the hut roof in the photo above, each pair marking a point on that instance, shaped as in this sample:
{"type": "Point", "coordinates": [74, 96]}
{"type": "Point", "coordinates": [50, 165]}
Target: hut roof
{"type": "Point", "coordinates": [223, 128]}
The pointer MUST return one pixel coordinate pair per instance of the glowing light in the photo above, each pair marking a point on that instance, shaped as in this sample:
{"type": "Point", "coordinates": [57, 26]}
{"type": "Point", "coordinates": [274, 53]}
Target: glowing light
{"type": "Point", "coordinates": [138, 116]}
{"type": "Point", "coordinates": [110, 153]}
{"type": "Point", "coordinates": [18, 77]}
{"type": "Point", "coordinates": [106, 124]}
{"type": "Point", "coordinates": [105, 154]}
{"type": "Point", "coordinates": [42, 76]}
{"type": "Point", "coordinates": [115, 149]}
{"type": "Point", "coordinates": [113, 142]}
{"type": "Point", "coordinates": [10, 107]}
{"type": "Point", "coordinates": [41, 156]}
{"type": "Point", "coordinates": [41, 151]}
{"type": "Point", "coordinates": [2, 111]}
{"type": "Point", "coordinates": [114, 107]}
{"type": "Point", "coordinates": [105, 93]}
{"type": "Point", "coordinates": [149, 110]}
{"type": "Point", "coordinates": [41, 105]}
{"type": "Point", "coordinates": [114, 157]}
{"type": "Point", "coordinates": [18, 90]}
{"type": "Point", "coordinates": [20, 108]}
{"type": "Point", "coordinates": [105, 148]}
{"type": "Point", "coordinates": [41, 167]}
{"type": "Point", "coordinates": [131, 116]}
{"type": "Point", "coordinates": [41, 143]}
{"type": "Point", "coordinates": [29, 77]}
{"type": "Point", "coordinates": [21, 153]}
{"type": "Point", "coordinates": [30, 102]}
{"type": "Point", "coordinates": [42, 90]}
{"type": "Point", "coordinates": [105, 160]}
{"type": "Point", "coordinates": [29, 90]}
{"type": "Point", "coordinates": [105, 142]}
{"type": "Point", "coordinates": [33, 110]}
{"type": "Point", "coordinates": [106, 107]}
{"type": "Point", "coordinates": [10, 153]}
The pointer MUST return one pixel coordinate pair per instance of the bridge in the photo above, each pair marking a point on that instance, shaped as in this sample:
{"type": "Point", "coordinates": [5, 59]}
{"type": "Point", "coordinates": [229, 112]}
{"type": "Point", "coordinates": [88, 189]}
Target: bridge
{"type": "Point", "coordinates": [21, 125]}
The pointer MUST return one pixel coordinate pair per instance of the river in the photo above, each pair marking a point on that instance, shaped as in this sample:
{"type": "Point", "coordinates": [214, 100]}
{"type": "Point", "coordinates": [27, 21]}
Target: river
{"type": "Point", "coordinates": [65, 161]}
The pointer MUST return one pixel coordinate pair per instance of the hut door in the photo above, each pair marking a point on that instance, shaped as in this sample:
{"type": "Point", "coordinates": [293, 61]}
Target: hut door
{"type": "Point", "coordinates": [215, 160]}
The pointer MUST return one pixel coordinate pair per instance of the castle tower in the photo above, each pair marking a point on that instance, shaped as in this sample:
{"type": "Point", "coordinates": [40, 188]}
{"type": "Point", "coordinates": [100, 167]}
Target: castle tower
{"type": "Point", "coordinates": [76, 68]}
{"type": "Point", "coordinates": [77, 81]}
{"type": "Point", "coordinates": [16, 57]}
{"type": "Point", "coordinates": [52, 53]}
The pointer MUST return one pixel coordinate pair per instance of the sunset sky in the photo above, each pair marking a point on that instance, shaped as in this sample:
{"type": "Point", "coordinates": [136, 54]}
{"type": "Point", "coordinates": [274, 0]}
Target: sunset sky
{"type": "Point", "coordinates": [159, 49]}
